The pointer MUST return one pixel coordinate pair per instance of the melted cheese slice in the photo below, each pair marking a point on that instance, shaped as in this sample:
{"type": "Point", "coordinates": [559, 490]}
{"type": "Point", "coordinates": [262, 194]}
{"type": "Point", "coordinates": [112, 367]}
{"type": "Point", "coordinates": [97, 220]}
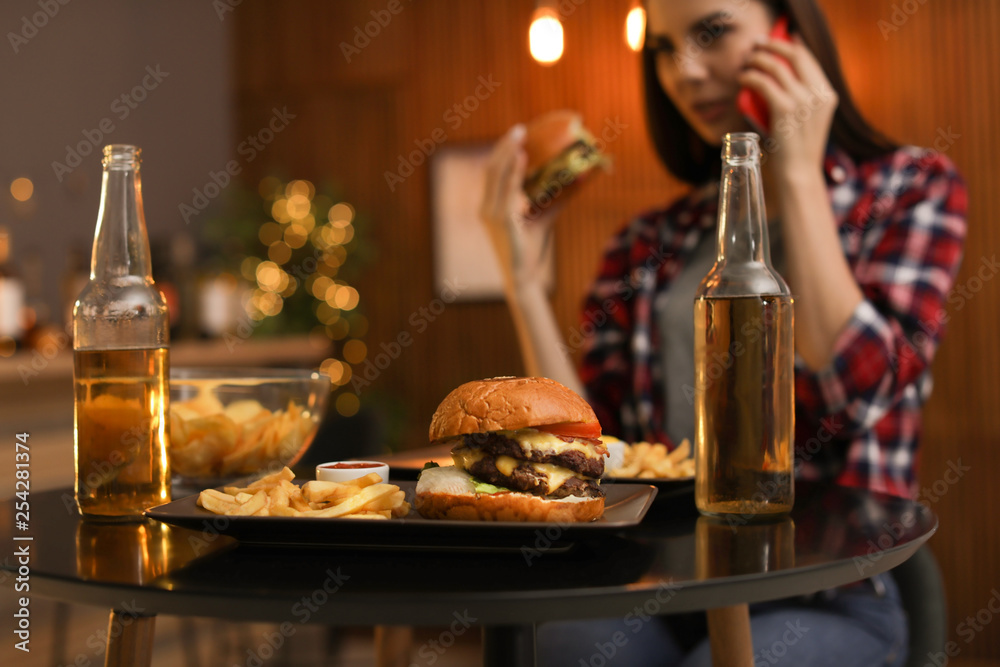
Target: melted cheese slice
{"type": "Point", "coordinates": [532, 440]}
{"type": "Point", "coordinates": [465, 457]}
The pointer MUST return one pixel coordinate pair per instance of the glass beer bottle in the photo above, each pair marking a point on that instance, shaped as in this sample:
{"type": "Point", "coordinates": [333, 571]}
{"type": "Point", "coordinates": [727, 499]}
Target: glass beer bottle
{"type": "Point", "coordinates": [120, 339]}
{"type": "Point", "coordinates": [743, 356]}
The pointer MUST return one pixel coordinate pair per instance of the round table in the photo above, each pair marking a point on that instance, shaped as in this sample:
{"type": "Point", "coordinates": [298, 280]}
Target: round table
{"type": "Point", "coordinates": [674, 561]}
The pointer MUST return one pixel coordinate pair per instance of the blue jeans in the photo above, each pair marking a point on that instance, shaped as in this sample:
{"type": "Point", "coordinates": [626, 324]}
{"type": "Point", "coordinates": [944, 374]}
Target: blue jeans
{"type": "Point", "coordinates": [863, 625]}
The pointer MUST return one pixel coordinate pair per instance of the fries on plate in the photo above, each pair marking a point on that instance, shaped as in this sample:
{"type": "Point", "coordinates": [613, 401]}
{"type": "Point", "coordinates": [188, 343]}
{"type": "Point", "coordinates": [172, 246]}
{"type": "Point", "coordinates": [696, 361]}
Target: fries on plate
{"type": "Point", "coordinates": [276, 495]}
{"type": "Point", "coordinates": [645, 460]}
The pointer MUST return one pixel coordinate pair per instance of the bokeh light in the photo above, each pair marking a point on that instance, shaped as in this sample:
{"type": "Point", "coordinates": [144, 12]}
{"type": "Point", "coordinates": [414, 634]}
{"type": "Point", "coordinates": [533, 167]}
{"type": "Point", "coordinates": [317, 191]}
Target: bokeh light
{"type": "Point", "coordinates": [22, 189]}
{"type": "Point", "coordinates": [339, 329]}
{"type": "Point", "coordinates": [342, 212]}
{"type": "Point", "coordinates": [279, 211]}
{"type": "Point", "coordinates": [248, 267]}
{"type": "Point", "coordinates": [348, 404]}
{"type": "Point", "coordinates": [300, 187]}
{"type": "Point", "coordinates": [270, 232]}
{"type": "Point", "coordinates": [298, 206]}
{"type": "Point", "coordinates": [279, 252]}
{"type": "Point", "coordinates": [355, 351]}
{"type": "Point", "coordinates": [347, 298]}
{"type": "Point", "coordinates": [296, 235]}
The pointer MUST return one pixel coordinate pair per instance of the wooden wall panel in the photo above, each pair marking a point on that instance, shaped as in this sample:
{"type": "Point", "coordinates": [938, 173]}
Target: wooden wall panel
{"type": "Point", "coordinates": [938, 74]}
{"type": "Point", "coordinates": [938, 71]}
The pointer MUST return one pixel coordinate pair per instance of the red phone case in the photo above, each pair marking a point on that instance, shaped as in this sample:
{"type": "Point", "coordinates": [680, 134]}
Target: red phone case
{"type": "Point", "coordinates": [749, 102]}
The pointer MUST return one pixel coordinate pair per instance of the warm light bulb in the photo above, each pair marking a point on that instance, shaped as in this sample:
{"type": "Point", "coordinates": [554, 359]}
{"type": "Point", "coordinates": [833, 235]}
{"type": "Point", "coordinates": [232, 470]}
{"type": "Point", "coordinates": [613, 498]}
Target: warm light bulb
{"type": "Point", "coordinates": [635, 28]}
{"type": "Point", "coordinates": [545, 36]}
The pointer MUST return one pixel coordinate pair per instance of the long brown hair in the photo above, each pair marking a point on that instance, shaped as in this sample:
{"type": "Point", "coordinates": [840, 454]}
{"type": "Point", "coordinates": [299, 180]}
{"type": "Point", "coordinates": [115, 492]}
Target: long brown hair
{"type": "Point", "coordinates": [691, 159]}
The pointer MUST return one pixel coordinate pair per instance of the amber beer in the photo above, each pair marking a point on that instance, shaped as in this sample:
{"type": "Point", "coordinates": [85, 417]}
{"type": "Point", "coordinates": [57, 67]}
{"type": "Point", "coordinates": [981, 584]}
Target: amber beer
{"type": "Point", "coordinates": [127, 553]}
{"type": "Point", "coordinates": [744, 405]}
{"type": "Point", "coordinates": [726, 548]}
{"type": "Point", "coordinates": [121, 408]}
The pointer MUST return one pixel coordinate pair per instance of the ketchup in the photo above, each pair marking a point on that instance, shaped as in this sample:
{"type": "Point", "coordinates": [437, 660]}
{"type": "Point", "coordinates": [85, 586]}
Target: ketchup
{"type": "Point", "coordinates": [351, 466]}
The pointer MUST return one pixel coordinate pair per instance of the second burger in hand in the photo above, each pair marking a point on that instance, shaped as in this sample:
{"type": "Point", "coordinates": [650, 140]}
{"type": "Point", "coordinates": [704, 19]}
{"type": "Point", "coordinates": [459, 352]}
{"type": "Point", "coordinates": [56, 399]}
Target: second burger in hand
{"type": "Point", "coordinates": [561, 155]}
{"type": "Point", "coordinates": [525, 449]}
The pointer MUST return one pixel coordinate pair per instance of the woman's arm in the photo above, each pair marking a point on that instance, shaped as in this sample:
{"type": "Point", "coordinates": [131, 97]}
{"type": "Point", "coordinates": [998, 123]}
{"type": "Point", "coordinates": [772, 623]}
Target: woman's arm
{"type": "Point", "coordinates": [802, 104]}
{"type": "Point", "coordinates": [518, 245]}
{"type": "Point", "coordinates": [868, 333]}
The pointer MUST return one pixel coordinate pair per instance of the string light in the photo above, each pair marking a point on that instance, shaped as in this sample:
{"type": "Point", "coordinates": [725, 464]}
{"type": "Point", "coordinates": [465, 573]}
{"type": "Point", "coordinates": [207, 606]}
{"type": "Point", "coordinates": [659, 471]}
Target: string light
{"type": "Point", "coordinates": [322, 228]}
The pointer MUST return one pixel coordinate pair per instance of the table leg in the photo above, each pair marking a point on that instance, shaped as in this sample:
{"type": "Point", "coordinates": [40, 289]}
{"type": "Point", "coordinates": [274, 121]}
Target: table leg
{"type": "Point", "coordinates": [509, 645]}
{"type": "Point", "coordinates": [130, 640]}
{"type": "Point", "coordinates": [729, 636]}
{"type": "Point", "coordinates": [392, 645]}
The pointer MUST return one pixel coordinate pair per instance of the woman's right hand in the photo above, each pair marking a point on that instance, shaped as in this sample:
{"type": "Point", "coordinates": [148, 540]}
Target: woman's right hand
{"type": "Point", "coordinates": [519, 242]}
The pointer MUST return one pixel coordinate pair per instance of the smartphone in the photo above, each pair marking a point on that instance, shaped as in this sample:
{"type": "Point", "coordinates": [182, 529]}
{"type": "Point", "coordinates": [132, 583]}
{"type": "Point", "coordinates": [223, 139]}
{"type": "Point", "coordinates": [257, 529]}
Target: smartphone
{"type": "Point", "coordinates": [749, 102]}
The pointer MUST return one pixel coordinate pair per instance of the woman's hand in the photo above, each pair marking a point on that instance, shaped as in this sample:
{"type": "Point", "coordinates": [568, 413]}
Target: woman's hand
{"type": "Point", "coordinates": [801, 100]}
{"type": "Point", "coordinates": [518, 242]}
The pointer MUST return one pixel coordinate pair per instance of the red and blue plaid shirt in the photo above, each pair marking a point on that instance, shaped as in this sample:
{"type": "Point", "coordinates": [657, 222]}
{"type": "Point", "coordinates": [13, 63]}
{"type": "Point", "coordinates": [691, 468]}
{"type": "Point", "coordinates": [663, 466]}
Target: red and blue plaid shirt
{"type": "Point", "coordinates": [902, 225]}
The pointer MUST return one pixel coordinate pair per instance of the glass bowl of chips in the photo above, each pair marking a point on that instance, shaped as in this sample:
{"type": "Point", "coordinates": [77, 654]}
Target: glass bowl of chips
{"type": "Point", "coordinates": [228, 423]}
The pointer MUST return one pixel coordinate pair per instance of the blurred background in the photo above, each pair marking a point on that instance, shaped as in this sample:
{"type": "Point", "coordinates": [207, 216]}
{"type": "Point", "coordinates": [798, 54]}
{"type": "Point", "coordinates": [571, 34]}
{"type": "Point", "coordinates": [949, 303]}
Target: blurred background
{"type": "Point", "coordinates": [290, 194]}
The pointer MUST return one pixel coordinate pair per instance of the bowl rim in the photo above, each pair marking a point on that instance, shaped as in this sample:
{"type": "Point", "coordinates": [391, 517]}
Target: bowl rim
{"type": "Point", "coordinates": [242, 373]}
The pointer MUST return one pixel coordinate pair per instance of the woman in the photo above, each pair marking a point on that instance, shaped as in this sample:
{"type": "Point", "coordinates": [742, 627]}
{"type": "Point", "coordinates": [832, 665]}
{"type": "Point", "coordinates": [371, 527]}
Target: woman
{"type": "Point", "coordinates": [868, 235]}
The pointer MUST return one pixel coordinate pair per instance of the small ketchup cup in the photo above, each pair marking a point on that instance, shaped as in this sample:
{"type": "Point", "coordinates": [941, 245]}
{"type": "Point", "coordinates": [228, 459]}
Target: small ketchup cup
{"type": "Point", "coordinates": [344, 471]}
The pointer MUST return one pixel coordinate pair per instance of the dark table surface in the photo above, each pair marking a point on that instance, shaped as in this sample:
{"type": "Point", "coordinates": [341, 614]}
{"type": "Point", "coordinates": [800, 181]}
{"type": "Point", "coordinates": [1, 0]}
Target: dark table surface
{"type": "Point", "coordinates": [674, 561]}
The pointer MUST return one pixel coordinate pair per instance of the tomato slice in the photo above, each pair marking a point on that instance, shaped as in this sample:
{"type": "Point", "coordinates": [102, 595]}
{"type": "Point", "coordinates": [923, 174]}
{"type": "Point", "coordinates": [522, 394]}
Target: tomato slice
{"type": "Point", "coordinates": [573, 429]}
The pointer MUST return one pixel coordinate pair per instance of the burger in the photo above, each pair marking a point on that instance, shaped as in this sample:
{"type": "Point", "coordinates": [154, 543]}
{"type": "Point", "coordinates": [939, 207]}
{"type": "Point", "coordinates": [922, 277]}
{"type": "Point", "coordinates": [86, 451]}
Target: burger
{"type": "Point", "coordinates": [524, 449]}
{"type": "Point", "coordinates": [561, 154]}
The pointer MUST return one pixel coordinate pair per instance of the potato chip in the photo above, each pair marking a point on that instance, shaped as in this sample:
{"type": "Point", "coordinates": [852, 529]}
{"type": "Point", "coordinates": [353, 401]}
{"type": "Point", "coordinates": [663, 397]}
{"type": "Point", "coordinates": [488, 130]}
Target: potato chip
{"type": "Point", "coordinates": [212, 440]}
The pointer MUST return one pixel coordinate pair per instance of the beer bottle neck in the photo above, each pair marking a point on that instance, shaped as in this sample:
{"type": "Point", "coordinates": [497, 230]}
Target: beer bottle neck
{"type": "Point", "coordinates": [742, 227]}
{"type": "Point", "coordinates": [121, 247]}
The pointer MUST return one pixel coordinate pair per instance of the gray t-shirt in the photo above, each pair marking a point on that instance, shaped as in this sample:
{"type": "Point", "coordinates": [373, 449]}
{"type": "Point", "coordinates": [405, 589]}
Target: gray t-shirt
{"type": "Point", "coordinates": [674, 308]}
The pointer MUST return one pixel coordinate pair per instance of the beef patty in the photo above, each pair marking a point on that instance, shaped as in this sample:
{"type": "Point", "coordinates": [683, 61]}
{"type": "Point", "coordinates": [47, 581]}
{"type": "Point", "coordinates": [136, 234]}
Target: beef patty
{"type": "Point", "coordinates": [526, 478]}
{"type": "Point", "coordinates": [497, 444]}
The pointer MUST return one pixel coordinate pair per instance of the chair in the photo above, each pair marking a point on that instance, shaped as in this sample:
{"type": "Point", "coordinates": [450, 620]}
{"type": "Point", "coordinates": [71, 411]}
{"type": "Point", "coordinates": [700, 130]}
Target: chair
{"type": "Point", "coordinates": [922, 591]}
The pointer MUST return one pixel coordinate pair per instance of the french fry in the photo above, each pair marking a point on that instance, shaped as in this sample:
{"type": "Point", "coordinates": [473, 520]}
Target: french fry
{"type": "Point", "coordinates": [401, 509]}
{"type": "Point", "coordinates": [385, 502]}
{"type": "Point", "coordinates": [272, 479]}
{"type": "Point", "coordinates": [284, 511]}
{"type": "Point", "coordinates": [359, 501]}
{"type": "Point", "coordinates": [216, 502]}
{"type": "Point", "coordinates": [367, 480]}
{"type": "Point", "coordinates": [644, 460]}
{"type": "Point", "coordinates": [317, 491]}
{"type": "Point", "coordinates": [253, 505]}
{"type": "Point", "coordinates": [277, 495]}
{"type": "Point", "coordinates": [681, 452]}
{"type": "Point", "coordinates": [298, 503]}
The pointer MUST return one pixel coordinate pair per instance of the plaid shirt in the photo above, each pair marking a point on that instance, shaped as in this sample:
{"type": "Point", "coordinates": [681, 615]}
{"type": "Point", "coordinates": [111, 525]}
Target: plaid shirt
{"type": "Point", "coordinates": [901, 222]}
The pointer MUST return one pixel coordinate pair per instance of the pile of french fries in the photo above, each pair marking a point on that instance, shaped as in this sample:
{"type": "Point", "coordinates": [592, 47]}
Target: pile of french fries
{"type": "Point", "coordinates": [276, 495]}
{"type": "Point", "coordinates": [647, 460]}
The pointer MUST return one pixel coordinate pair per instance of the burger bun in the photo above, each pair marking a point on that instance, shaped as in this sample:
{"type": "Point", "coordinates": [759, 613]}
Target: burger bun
{"type": "Point", "coordinates": [507, 404]}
